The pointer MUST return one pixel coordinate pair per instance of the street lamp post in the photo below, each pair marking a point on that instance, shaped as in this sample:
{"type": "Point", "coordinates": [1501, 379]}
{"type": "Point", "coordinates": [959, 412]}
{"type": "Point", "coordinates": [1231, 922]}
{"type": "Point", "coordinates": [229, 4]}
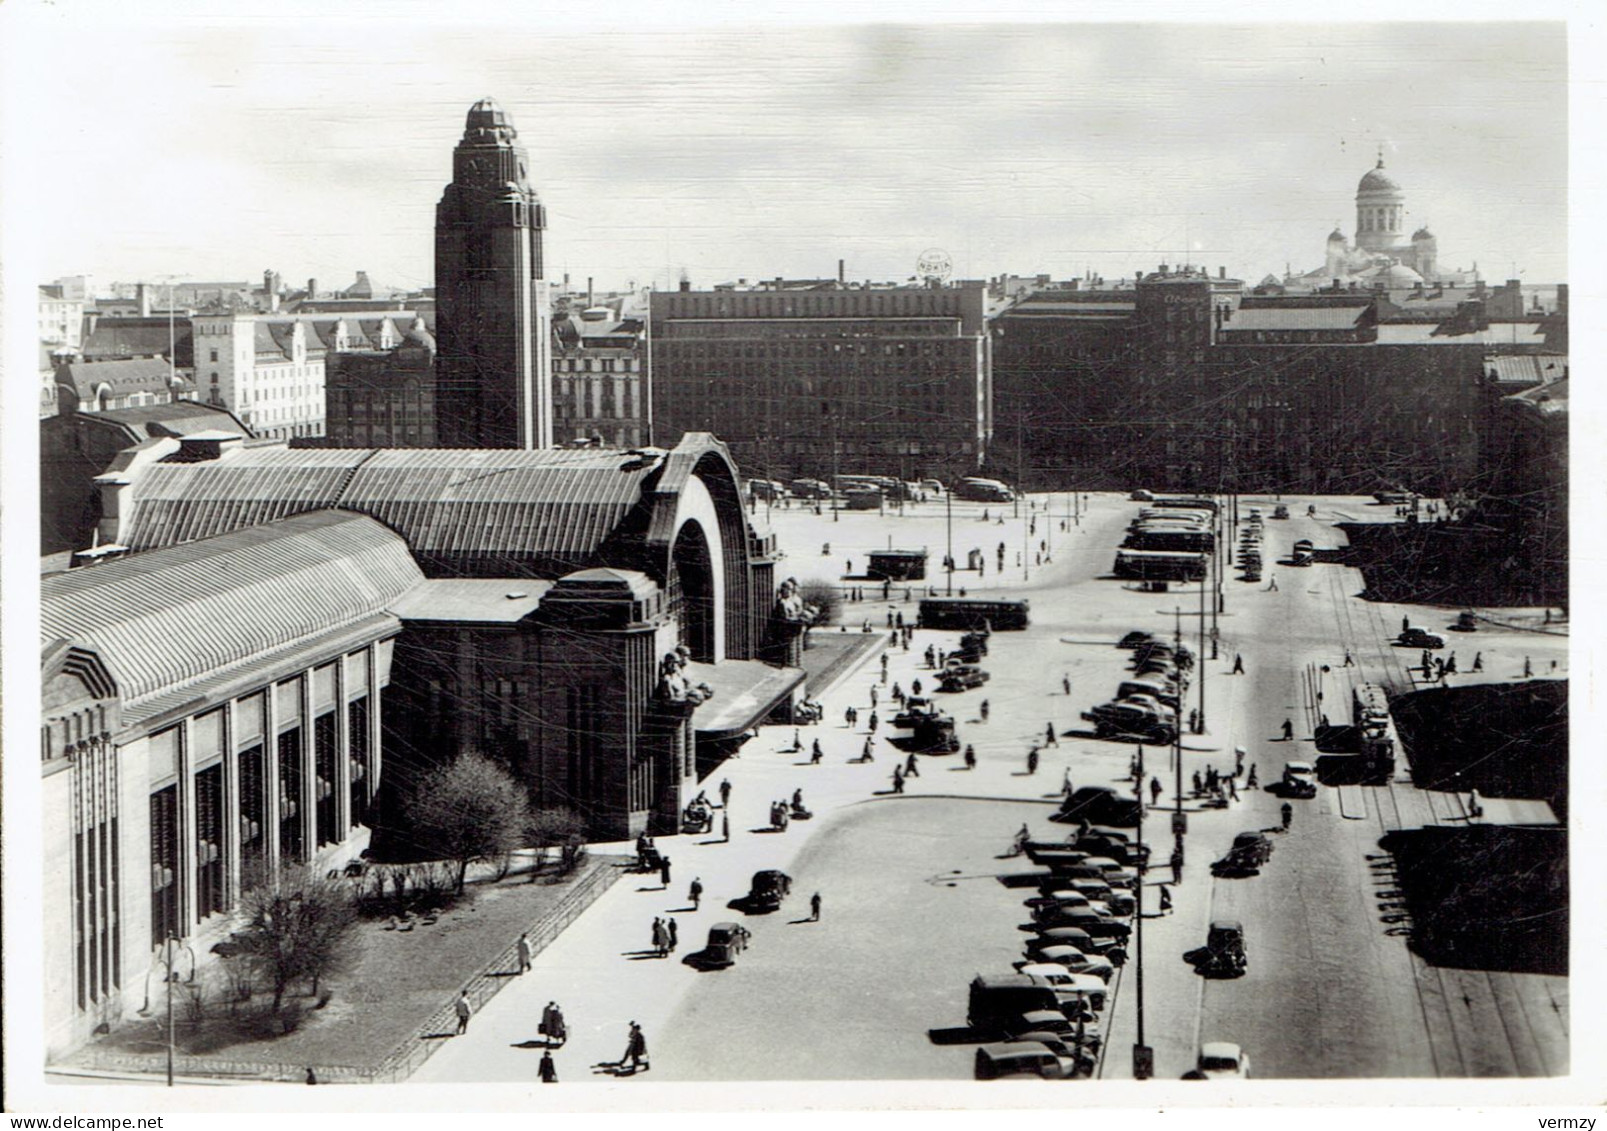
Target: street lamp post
{"type": "Point", "coordinates": [948, 507]}
{"type": "Point", "coordinates": [1143, 1059]}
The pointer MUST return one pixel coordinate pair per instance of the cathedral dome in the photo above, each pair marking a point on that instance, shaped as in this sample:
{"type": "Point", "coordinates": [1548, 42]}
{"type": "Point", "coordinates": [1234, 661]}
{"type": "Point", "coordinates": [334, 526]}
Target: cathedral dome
{"type": "Point", "coordinates": [1376, 180]}
{"type": "Point", "coordinates": [1336, 236]}
{"type": "Point", "coordinates": [1422, 234]}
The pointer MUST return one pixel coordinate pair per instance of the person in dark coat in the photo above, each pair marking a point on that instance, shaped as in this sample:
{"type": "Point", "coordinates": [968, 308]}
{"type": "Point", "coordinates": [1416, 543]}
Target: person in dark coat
{"type": "Point", "coordinates": [635, 1049]}
{"type": "Point", "coordinates": [547, 1071]}
{"type": "Point", "coordinates": [1032, 760]}
{"type": "Point", "coordinates": [672, 934]}
{"type": "Point", "coordinates": [1049, 735]}
{"type": "Point", "coordinates": [815, 753]}
{"type": "Point", "coordinates": [695, 892]}
{"type": "Point", "coordinates": [814, 908]}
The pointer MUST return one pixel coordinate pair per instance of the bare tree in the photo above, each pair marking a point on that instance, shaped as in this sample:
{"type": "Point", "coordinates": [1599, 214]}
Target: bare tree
{"type": "Point", "coordinates": [298, 929]}
{"type": "Point", "coordinates": [553, 828]}
{"type": "Point", "coordinates": [470, 809]}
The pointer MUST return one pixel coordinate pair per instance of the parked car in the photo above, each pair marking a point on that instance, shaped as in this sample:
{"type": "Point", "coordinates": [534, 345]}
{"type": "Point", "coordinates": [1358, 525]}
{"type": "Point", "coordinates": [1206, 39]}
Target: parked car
{"type": "Point", "coordinates": [1072, 959]}
{"type": "Point", "coordinates": [999, 1000]}
{"type": "Point", "coordinates": [1101, 805]}
{"type": "Point", "coordinates": [1280, 511]}
{"type": "Point", "coordinates": [1071, 988]}
{"type": "Point", "coordinates": [1013, 1059]}
{"type": "Point", "coordinates": [1069, 936]}
{"type": "Point", "coordinates": [768, 890]}
{"type": "Point", "coordinates": [1135, 639]}
{"type": "Point", "coordinates": [726, 941]}
{"type": "Point", "coordinates": [810, 489]}
{"type": "Point", "coordinates": [1128, 719]}
{"type": "Point", "coordinates": [1083, 1032]}
{"type": "Point", "coordinates": [1466, 622]}
{"type": "Point", "coordinates": [1299, 779]}
{"type": "Point", "coordinates": [1415, 637]}
{"type": "Point", "coordinates": [1221, 1060]}
{"type": "Point", "coordinates": [1142, 496]}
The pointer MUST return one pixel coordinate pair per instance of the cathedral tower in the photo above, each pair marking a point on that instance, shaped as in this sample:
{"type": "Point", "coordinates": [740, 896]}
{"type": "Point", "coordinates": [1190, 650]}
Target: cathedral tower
{"type": "Point", "coordinates": [493, 318]}
{"type": "Point", "coordinates": [1380, 211]}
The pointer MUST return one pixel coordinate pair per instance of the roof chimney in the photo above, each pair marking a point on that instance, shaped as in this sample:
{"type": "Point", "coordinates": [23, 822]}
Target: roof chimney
{"type": "Point", "coordinates": [840, 272]}
{"type": "Point", "coordinates": [312, 288]}
{"type": "Point", "coordinates": [588, 291]}
{"type": "Point", "coordinates": [1221, 272]}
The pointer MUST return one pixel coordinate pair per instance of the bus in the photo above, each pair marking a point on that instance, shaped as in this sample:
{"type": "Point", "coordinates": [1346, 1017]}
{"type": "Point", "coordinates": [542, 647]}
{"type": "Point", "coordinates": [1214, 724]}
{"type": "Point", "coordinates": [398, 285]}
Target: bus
{"type": "Point", "coordinates": [1186, 502]}
{"type": "Point", "coordinates": [1375, 730]}
{"type": "Point", "coordinates": [1171, 538]}
{"type": "Point", "coordinates": [1159, 565]}
{"type": "Point", "coordinates": [969, 614]}
{"type": "Point", "coordinates": [983, 491]}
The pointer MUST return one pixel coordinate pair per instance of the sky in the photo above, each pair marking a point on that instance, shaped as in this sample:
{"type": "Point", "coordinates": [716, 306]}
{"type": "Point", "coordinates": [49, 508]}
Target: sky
{"type": "Point", "coordinates": [318, 145]}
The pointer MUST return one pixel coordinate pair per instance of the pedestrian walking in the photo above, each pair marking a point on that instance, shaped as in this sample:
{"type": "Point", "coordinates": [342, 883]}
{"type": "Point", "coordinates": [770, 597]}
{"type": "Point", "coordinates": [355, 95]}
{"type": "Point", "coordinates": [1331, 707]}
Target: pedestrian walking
{"type": "Point", "coordinates": [524, 953]}
{"type": "Point", "coordinates": [547, 1071]}
{"type": "Point", "coordinates": [1238, 664]}
{"type": "Point", "coordinates": [1288, 814]}
{"type": "Point", "coordinates": [1238, 760]}
{"type": "Point", "coordinates": [464, 1011]}
{"type": "Point", "coordinates": [1154, 791]}
{"type": "Point", "coordinates": [984, 710]}
{"type": "Point", "coordinates": [814, 908]}
{"type": "Point", "coordinates": [1022, 838]}
{"type": "Point", "coordinates": [848, 716]}
{"type": "Point", "coordinates": [869, 754]}
{"type": "Point", "coordinates": [1406, 623]}
{"type": "Point", "coordinates": [664, 870]}
{"type": "Point", "coordinates": [1176, 862]}
{"type": "Point", "coordinates": [672, 934]}
{"type": "Point", "coordinates": [1349, 663]}
{"type": "Point", "coordinates": [1166, 899]}
{"type": "Point", "coordinates": [1065, 783]}
{"type": "Point", "coordinates": [660, 939]}
{"type": "Point", "coordinates": [725, 793]}
{"type": "Point", "coordinates": [725, 826]}
{"type": "Point", "coordinates": [898, 780]}
{"type": "Point", "coordinates": [873, 721]}
{"type": "Point", "coordinates": [1272, 583]}
{"type": "Point", "coordinates": [797, 740]}
{"type": "Point", "coordinates": [873, 695]}
{"type": "Point", "coordinates": [1450, 665]}
{"type": "Point", "coordinates": [695, 892]}
{"type": "Point", "coordinates": [911, 770]}
{"type": "Point", "coordinates": [915, 687]}
{"type": "Point", "coordinates": [1528, 668]}
{"type": "Point", "coordinates": [1288, 730]}
{"type": "Point", "coordinates": [1250, 782]}
{"type": "Point", "coordinates": [1049, 735]}
{"type": "Point", "coordinates": [635, 1049]}
{"type": "Point", "coordinates": [1198, 789]}
{"type": "Point", "coordinates": [970, 757]}
{"type": "Point", "coordinates": [815, 753]}
{"type": "Point", "coordinates": [1032, 760]}
{"type": "Point", "coordinates": [1478, 661]}
{"type": "Point", "coordinates": [1065, 684]}
{"type": "Point", "coordinates": [1233, 788]}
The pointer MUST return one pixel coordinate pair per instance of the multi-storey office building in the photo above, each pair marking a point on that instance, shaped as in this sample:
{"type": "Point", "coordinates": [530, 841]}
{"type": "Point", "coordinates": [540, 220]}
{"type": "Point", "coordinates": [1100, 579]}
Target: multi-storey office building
{"type": "Point", "coordinates": [890, 381]}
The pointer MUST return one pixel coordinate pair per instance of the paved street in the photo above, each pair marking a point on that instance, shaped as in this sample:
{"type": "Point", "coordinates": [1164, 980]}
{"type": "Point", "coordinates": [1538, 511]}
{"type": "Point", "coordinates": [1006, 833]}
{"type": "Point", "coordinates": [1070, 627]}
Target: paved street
{"type": "Point", "coordinates": [911, 911]}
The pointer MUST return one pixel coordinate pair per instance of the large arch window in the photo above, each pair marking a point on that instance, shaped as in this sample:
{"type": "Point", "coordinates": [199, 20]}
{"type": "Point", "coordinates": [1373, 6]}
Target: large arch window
{"type": "Point", "coordinates": [691, 591]}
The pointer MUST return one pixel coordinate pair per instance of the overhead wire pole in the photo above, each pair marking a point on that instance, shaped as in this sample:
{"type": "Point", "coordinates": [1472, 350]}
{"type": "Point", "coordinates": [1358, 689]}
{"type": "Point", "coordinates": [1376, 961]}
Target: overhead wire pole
{"type": "Point", "coordinates": [1143, 1061]}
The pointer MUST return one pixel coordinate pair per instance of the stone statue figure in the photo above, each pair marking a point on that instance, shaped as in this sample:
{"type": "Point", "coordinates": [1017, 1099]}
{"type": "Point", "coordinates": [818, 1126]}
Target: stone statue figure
{"type": "Point", "coordinates": [673, 684]}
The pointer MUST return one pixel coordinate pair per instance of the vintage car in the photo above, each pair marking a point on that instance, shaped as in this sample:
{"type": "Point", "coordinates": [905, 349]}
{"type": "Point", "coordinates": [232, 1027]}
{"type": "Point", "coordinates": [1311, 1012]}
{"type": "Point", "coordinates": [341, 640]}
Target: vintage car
{"type": "Point", "coordinates": [1224, 948]}
{"type": "Point", "coordinates": [1249, 852]}
{"type": "Point", "coordinates": [1415, 637]}
{"type": "Point", "coordinates": [769, 889]}
{"type": "Point", "coordinates": [726, 941]}
{"type": "Point", "coordinates": [1067, 935]}
{"type": "Point", "coordinates": [1136, 639]}
{"type": "Point", "coordinates": [1280, 511]}
{"type": "Point", "coordinates": [1299, 779]}
{"type": "Point", "coordinates": [1221, 1060]}
{"type": "Point", "coordinates": [1008, 1059]}
{"type": "Point", "coordinates": [1072, 959]}
{"type": "Point", "coordinates": [1082, 1031]}
{"type": "Point", "coordinates": [1073, 989]}
{"type": "Point", "coordinates": [1099, 805]}
{"type": "Point", "coordinates": [961, 677]}
{"type": "Point", "coordinates": [1129, 719]}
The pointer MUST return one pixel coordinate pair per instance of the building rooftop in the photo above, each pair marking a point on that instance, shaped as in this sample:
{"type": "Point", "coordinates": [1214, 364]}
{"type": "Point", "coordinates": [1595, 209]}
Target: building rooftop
{"type": "Point", "coordinates": [123, 377]}
{"type": "Point", "coordinates": [471, 600]}
{"type": "Point", "coordinates": [1325, 317]}
{"type": "Point", "coordinates": [543, 512]}
{"type": "Point", "coordinates": [172, 618]}
{"type": "Point", "coordinates": [1526, 369]}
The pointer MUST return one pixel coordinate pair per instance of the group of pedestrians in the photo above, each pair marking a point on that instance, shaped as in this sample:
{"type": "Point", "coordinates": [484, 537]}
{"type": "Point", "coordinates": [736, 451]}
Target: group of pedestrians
{"type": "Point", "coordinates": [665, 936]}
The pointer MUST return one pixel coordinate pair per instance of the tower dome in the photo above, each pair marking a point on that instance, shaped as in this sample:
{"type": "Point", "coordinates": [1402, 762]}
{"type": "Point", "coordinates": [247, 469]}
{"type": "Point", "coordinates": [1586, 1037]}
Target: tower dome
{"type": "Point", "coordinates": [1376, 180]}
{"type": "Point", "coordinates": [1422, 234]}
{"type": "Point", "coordinates": [487, 119]}
{"type": "Point", "coordinates": [1336, 236]}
